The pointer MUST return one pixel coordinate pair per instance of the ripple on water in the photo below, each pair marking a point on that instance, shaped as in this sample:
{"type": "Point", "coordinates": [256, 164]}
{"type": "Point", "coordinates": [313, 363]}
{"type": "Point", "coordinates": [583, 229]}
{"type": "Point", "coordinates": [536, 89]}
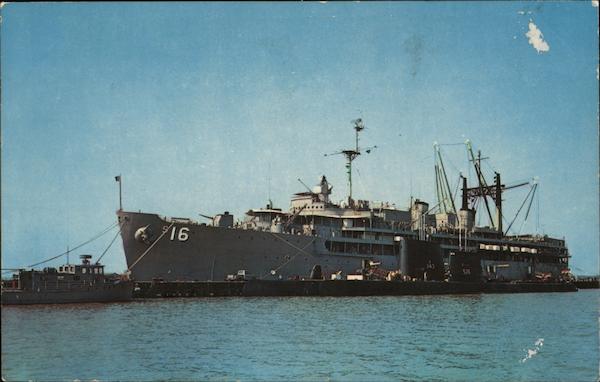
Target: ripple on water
{"type": "Point", "coordinates": [477, 337]}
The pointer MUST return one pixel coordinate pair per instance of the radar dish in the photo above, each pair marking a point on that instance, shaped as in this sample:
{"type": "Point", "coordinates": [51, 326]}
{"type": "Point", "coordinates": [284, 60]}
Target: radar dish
{"type": "Point", "coordinates": [358, 124]}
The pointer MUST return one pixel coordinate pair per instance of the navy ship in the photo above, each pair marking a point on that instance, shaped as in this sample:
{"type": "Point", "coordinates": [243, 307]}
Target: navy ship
{"type": "Point", "coordinates": [70, 283]}
{"type": "Point", "coordinates": [422, 242]}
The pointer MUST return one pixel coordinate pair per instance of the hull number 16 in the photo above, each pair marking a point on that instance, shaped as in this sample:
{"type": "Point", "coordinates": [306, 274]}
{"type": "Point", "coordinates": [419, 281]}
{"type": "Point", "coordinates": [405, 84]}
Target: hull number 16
{"type": "Point", "coordinates": [182, 235]}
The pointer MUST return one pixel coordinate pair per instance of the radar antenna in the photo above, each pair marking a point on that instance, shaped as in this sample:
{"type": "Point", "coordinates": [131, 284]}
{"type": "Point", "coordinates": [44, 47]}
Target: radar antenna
{"type": "Point", "coordinates": [352, 154]}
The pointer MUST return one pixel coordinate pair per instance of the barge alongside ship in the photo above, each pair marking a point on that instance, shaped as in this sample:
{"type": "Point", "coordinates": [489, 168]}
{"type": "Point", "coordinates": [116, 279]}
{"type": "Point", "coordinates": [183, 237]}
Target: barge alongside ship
{"type": "Point", "coordinates": [420, 243]}
{"type": "Point", "coordinates": [81, 283]}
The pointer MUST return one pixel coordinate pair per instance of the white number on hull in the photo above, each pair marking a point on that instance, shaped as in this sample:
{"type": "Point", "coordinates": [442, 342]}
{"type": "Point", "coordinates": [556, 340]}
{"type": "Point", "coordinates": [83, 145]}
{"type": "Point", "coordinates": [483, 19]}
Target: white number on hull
{"type": "Point", "coordinates": [182, 235]}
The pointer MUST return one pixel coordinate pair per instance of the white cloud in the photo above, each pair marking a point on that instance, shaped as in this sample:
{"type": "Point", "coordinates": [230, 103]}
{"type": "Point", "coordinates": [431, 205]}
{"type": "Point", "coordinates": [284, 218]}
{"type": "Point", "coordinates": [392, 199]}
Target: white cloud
{"type": "Point", "coordinates": [536, 38]}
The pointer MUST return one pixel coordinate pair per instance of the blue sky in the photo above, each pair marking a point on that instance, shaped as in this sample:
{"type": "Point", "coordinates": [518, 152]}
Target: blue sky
{"type": "Point", "coordinates": [197, 105]}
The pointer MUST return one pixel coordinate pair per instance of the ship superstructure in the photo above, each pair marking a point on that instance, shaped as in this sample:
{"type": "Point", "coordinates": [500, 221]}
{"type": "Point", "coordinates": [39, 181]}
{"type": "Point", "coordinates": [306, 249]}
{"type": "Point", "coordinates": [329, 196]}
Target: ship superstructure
{"type": "Point", "coordinates": [421, 242]}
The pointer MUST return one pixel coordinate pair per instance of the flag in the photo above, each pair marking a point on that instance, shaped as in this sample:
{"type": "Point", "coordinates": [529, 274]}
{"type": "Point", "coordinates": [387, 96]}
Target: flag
{"type": "Point", "coordinates": [118, 178]}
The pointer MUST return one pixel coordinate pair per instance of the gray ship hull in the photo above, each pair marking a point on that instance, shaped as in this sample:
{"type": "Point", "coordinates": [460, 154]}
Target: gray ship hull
{"type": "Point", "coordinates": [194, 252]}
{"type": "Point", "coordinates": [183, 250]}
{"type": "Point", "coordinates": [121, 291]}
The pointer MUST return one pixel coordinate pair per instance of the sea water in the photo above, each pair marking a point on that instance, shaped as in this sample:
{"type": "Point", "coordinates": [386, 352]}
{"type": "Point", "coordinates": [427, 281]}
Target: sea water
{"type": "Point", "coordinates": [504, 337]}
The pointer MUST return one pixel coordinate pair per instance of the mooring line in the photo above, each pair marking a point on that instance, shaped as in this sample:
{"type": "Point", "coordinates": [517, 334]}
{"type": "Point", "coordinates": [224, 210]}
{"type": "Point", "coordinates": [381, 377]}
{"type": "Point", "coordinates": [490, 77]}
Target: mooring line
{"type": "Point", "coordinates": [150, 247]}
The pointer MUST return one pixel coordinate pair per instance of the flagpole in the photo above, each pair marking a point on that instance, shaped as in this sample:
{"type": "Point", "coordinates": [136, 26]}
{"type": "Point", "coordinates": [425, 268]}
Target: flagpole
{"type": "Point", "coordinates": [120, 195]}
{"type": "Point", "coordinates": [118, 179]}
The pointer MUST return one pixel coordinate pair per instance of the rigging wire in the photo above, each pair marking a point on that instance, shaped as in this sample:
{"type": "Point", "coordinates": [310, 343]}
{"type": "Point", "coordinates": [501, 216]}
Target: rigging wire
{"type": "Point", "coordinates": [444, 188]}
{"type": "Point", "coordinates": [538, 228]}
{"type": "Point", "coordinates": [102, 233]}
{"type": "Point", "coordinates": [476, 208]}
{"type": "Point", "coordinates": [457, 185]}
{"type": "Point", "coordinates": [447, 158]}
{"type": "Point", "coordinates": [468, 165]}
{"type": "Point", "coordinates": [362, 185]}
{"type": "Point", "coordinates": [528, 209]}
{"type": "Point", "coordinates": [487, 163]}
{"type": "Point", "coordinates": [530, 202]}
{"type": "Point", "coordinates": [150, 247]}
{"type": "Point", "coordinates": [531, 190]}
{"type": "Point", "coordinates": [299, 251]}
{"type": "Point", "coordinates": [111, 243]}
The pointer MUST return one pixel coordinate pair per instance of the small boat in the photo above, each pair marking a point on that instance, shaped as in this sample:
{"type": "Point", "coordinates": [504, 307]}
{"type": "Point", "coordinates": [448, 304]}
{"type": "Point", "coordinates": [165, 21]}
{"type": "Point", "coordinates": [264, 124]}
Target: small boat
{"type": "Point", "coordinates": [70, 283]}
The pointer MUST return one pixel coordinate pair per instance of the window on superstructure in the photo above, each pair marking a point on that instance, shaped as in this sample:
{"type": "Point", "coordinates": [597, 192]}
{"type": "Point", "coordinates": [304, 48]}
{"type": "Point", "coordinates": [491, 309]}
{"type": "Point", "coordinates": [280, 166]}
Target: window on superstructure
{"type": "Point", "coordinates": [83, 270]}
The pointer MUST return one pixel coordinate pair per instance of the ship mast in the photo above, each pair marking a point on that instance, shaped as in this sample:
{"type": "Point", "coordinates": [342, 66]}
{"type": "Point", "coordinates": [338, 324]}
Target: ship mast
{"type": "Point", "coordinates": [483, 190]}
{"type": "Point", "coordinates": [444, 193]}
{"type": "Point", "coordinates": [351, 155]}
